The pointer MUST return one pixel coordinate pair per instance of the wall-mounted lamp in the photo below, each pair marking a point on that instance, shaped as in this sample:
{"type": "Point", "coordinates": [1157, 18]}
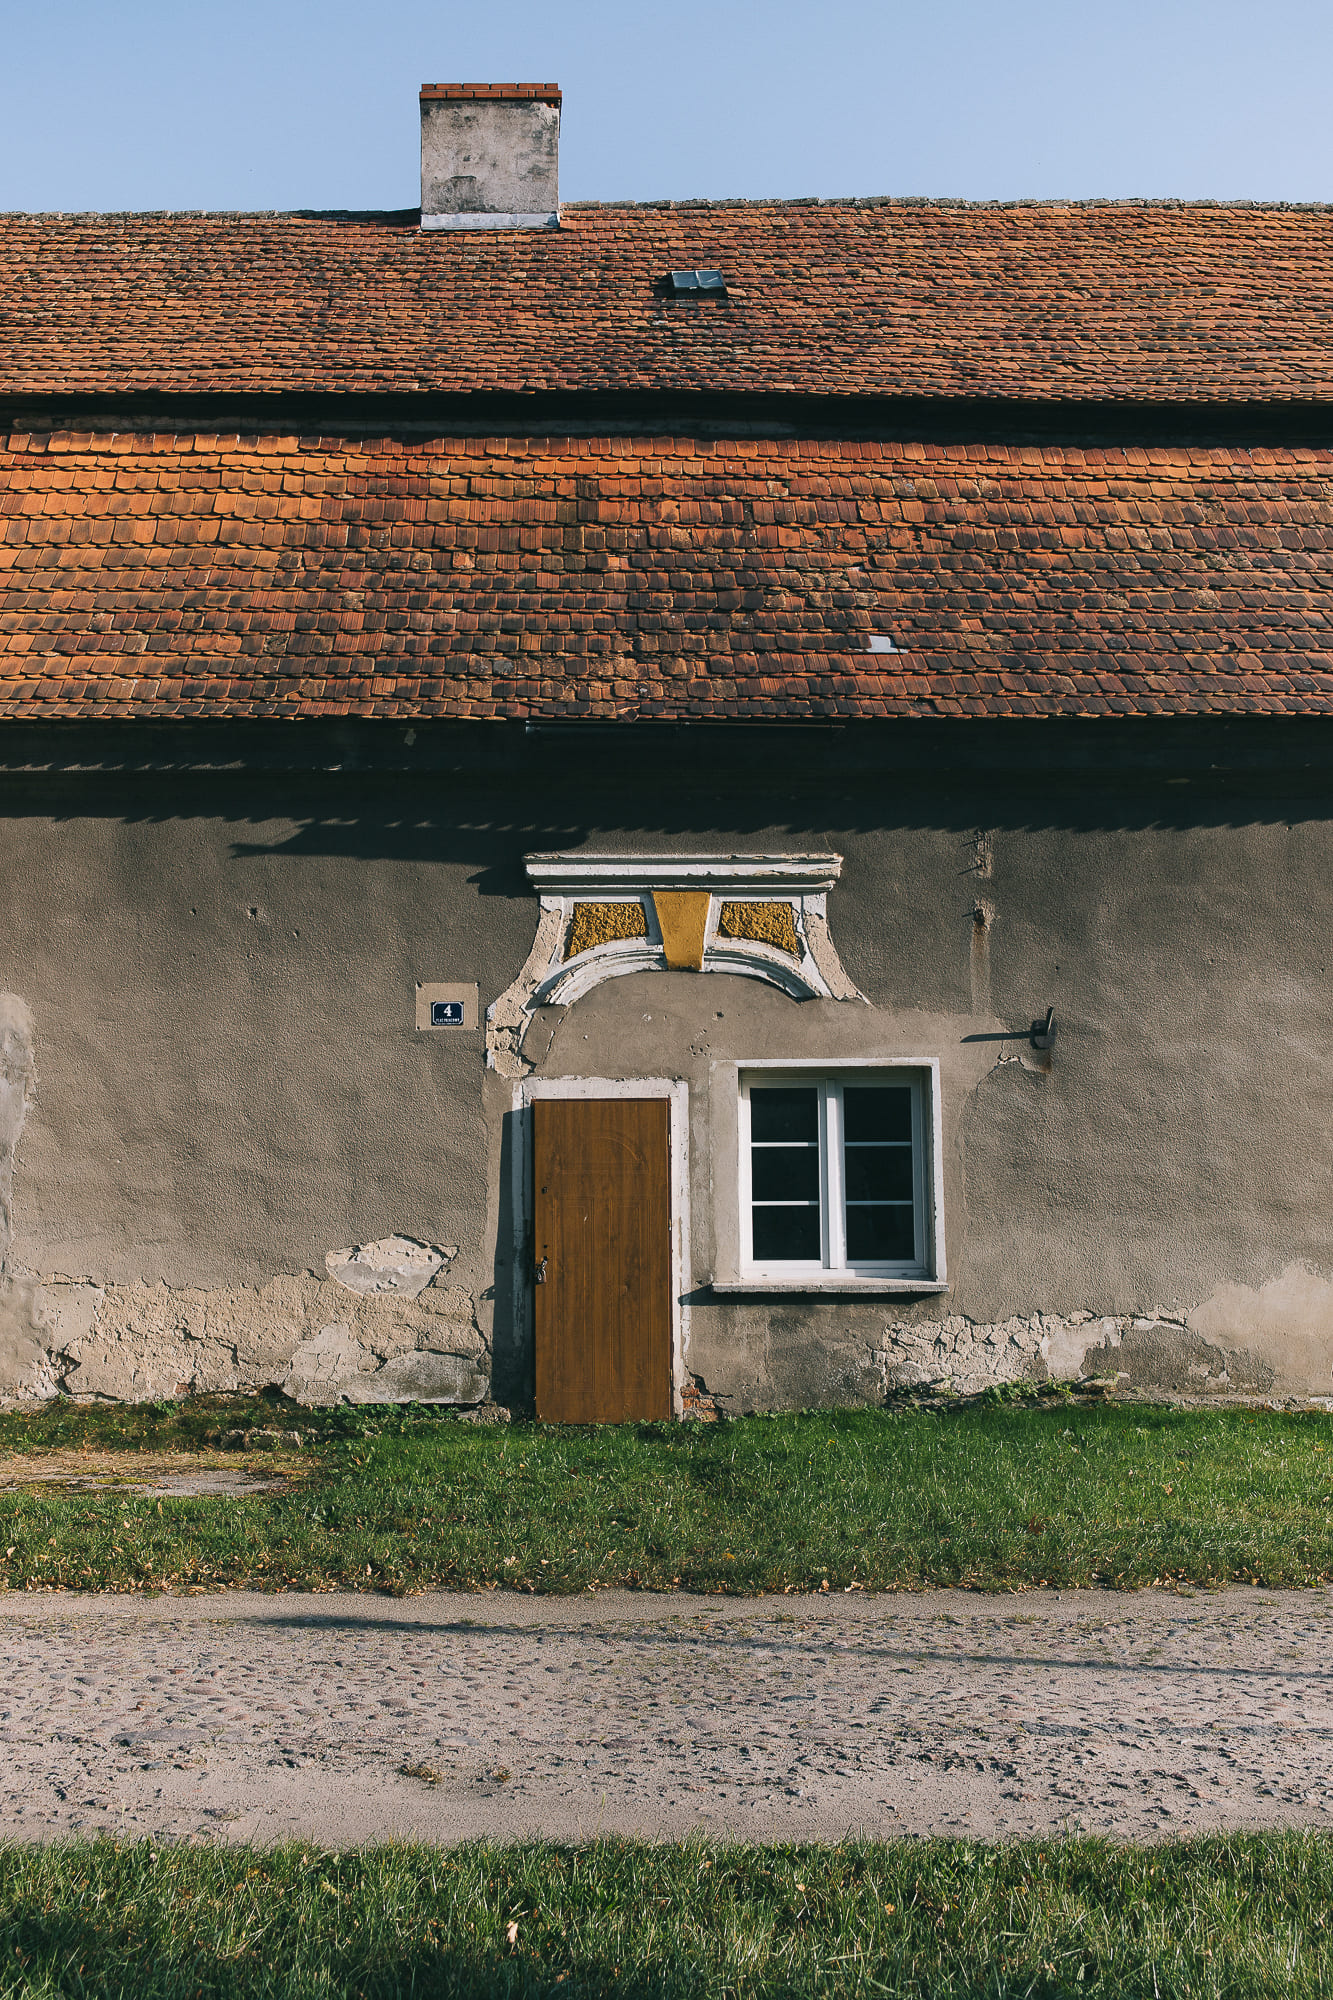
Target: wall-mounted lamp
{"type": "Point", "coordinates": [1043, 1032]}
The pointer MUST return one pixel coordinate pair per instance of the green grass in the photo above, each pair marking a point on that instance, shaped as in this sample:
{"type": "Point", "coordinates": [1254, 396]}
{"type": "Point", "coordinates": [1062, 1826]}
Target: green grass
{"type": "Point", "coordinates": [935, 1920]}
{"type": "Point", "coordinates": [992, 1496]}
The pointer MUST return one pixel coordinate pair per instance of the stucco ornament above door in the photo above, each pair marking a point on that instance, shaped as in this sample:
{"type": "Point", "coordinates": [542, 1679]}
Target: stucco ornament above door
{"type": "Point", "coordinates": [763, 916]}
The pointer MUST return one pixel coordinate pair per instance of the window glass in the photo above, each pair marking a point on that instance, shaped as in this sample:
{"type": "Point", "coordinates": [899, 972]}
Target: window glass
{"type": "Point", "coordinates": [872, 1115]}
{"type": "Point", "coordinates": [878, 1175]}
{"type": "Point", "coordinates": [784, 1175]}
{"type": "Point", "coordinates": [786, 1235]}
{"type": "Point", "coordinates": [834, 1174]}
{"type": "Point", "coordinates": [780, 1116]}
{"type": "Point", "coordinates": [880, 1235]}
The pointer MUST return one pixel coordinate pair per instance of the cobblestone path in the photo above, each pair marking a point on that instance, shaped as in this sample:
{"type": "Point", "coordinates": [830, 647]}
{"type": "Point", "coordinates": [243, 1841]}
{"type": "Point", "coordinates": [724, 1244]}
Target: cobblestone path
{"type": "Point", "coordinates": [344, 1718]}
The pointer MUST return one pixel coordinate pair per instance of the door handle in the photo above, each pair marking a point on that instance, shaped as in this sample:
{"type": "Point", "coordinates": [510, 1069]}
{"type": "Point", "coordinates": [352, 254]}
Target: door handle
{"type": "Point", "coordinates": [539, 1275]}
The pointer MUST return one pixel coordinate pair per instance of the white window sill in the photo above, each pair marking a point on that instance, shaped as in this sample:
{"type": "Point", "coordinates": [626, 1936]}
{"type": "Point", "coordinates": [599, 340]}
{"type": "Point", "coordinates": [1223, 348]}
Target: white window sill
{"type": "Point", "coordinates": [834, 1283]}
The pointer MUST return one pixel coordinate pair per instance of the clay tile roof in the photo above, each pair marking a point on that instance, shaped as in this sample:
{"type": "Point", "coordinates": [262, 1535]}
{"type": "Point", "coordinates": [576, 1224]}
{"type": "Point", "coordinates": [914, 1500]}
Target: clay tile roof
{"type": "Point", "coordinates": [626, 576]}
{"type": "Point", "coordinates": [638, 577]}
{"type": "Point", "coordinates": [1052, 301]}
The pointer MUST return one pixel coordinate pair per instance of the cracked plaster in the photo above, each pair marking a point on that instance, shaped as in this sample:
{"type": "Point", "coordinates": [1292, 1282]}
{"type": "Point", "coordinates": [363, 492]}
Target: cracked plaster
{"type": "Point", "coordinates": [306, 1335]}
{"type": "Point", "coordinates": [396, 1264]}
{"type": "Point", "coordinates": [1157, 1351]}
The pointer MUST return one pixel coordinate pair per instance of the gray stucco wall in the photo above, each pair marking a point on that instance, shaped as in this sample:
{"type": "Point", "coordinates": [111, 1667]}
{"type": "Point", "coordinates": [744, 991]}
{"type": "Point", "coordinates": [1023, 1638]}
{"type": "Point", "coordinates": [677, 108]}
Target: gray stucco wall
{"type": "Point", "coordinates": [211, 1078]}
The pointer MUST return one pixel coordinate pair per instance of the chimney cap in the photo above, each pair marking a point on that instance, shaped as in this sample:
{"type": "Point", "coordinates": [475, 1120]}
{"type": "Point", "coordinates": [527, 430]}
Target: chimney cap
{"type": "Point", "coordinates": [490, 156]}
{"type": "Point", "coordinates": [514, 93]}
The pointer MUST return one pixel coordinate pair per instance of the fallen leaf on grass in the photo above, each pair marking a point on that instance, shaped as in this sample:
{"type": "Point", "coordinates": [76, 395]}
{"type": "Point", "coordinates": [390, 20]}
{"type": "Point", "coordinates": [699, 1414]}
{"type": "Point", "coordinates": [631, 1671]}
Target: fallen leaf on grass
{"type": "Point", "coordinates": [511, 1934]}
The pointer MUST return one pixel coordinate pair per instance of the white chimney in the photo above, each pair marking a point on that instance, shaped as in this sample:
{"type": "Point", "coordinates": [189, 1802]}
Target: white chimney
{"type": "Point", "coordinates": [490, 155]}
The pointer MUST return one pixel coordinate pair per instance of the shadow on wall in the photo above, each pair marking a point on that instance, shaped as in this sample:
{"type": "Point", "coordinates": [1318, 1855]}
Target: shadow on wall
{"type": "Point", "coordinates": [370, 834]}
{"type": "Point", "coordinates": [511, 1345]}
{"type": "Point", "coordinates": [20, 1353]}
{"type": "Point", "coordinates": [17, 1076]}
{"type": "Point", "coordinates": [505, 788]}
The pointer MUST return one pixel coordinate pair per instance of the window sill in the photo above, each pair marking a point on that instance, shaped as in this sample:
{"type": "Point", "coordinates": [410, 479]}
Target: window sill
{"type": "Point", "coordinates": [839, 1287]}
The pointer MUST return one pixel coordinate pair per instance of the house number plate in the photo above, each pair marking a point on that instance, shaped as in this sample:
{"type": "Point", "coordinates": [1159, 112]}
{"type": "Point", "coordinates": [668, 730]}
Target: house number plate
{"type": "Point", "coordinates": [440, 1006]}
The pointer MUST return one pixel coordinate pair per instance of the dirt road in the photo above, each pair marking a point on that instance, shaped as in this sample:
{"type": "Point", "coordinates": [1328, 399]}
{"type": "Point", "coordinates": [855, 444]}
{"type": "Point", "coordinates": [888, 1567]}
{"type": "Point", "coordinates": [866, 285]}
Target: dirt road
{"type": "Point", "coordinates": [344, 1718]}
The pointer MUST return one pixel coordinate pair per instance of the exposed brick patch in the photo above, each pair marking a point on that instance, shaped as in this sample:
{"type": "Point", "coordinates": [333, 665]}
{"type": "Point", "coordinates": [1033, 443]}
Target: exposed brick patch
{"type": "Point", "coordinates": [695, 1402]}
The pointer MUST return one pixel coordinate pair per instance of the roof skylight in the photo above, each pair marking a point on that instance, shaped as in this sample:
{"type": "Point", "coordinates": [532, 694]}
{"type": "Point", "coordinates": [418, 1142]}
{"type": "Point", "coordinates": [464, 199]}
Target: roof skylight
{"type": "Point", "coordinates": [698, 284]}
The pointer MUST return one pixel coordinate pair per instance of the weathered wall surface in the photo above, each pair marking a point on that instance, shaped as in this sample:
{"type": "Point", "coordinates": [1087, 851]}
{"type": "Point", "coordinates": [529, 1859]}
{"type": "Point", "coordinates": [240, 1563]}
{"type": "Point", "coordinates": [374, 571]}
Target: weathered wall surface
{"type": "Point", "coordinates": [142, 1342]}
{"type": "Point", "coordinates": [481, 157]}
{"type": "Point", "coordinates": [218, 1083]}
{"type": "Point", "coordinates": [211, 1081]}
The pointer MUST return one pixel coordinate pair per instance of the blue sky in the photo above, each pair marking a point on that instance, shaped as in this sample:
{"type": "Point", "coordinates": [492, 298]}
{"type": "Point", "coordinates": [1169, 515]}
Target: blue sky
{"type": "Point", "coordinates": [297, 103]}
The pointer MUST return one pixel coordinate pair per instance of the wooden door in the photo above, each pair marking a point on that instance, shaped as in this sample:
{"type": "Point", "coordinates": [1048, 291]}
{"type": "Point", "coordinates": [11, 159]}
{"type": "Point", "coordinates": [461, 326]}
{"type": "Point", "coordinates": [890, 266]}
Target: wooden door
{"type": "Point", "coordinates": [602, 1216]}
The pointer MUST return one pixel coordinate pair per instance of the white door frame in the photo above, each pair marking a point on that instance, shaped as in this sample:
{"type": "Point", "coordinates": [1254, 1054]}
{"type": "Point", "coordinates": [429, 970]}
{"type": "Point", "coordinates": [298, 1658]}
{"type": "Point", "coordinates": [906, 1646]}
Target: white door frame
{"type": "Point", "coordinates": [677, 1095]}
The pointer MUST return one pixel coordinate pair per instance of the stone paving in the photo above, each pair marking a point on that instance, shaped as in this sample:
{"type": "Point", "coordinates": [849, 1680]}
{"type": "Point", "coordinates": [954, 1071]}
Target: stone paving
{"type": "Point", "coordinates": [348, 1717]}
{"type": "Point", "coordinates": [170, 1475]}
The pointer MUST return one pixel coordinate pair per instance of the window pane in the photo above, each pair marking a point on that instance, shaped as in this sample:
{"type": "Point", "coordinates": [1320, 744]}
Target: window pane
{"type": "Point", "coordinates": [785, 1173]}
{"type": "Point", "coordinates": [786, 1235]}
{"type": "Point", "coordinates": [778, 1114]}
{"type": "Point", "coordinates": [878, 1173]}
{"type": "Point", "coordinates": [880, 1235]}
{"type": "Point", "coordinates": [877, 1114]}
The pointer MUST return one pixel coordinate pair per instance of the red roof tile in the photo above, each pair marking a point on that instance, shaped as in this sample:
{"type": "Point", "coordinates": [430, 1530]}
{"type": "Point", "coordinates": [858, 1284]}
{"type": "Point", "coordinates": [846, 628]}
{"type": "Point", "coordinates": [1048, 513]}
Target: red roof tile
{"type": "Point", "coordinates": [508, 93]}
{"type": "Point", "coordinates": [1054, 301]}
{"type": "Point", "coordinates": [633, 577]}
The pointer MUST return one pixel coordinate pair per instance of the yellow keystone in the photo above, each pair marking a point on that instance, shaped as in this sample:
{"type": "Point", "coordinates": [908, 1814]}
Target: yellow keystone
{"type": "Point", "coordinates": [682, 918]}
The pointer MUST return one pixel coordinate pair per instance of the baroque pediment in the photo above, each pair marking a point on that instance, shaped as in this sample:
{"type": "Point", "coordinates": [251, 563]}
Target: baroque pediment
{"type": "Point", "coordinates": [601, 916]}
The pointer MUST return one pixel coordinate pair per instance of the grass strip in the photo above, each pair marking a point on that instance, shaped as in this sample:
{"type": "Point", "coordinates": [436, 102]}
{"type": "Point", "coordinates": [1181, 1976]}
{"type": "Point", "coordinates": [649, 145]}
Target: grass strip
{"type": "Point", "coordinates": [987, 1496]}
{"type": "Point", "coordinates": [1233, 1916]}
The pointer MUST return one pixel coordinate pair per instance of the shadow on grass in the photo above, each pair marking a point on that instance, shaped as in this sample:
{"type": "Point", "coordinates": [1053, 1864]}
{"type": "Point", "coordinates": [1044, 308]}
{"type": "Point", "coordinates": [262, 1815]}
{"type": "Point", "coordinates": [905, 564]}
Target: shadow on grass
{"type": "Point", "coordinates": [70, 1956]}
{"type": "Point", "coordinates": [933, 1920]}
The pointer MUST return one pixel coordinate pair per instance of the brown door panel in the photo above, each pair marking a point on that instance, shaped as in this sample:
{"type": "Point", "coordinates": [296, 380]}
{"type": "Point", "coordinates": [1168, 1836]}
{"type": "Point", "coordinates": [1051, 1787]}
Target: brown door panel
{"type": "Point", "coordinates": [602, 1221]}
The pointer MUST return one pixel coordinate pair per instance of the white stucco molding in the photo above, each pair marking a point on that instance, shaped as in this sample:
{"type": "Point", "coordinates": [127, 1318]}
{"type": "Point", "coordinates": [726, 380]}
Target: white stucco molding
{"type": "Point", "coordinates": [590, 876]}
{"type": "Point", "coordinates": [547, 218]}
{"type": "Point", "coordinates": [562, 880]}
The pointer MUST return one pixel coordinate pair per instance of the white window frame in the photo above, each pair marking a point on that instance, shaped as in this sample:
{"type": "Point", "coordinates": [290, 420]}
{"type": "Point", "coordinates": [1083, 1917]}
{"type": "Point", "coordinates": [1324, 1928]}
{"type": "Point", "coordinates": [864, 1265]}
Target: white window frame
{"type": "Point", "coordinates": [924, 1272]}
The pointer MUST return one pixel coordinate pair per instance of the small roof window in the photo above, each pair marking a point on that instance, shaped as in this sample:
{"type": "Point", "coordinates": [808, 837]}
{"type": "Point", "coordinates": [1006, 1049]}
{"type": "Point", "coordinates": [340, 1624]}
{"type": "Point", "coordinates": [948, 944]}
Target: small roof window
{"type": "Point", "coordinates": [696, 284]}
{"type": "Point", "coordinates": [880, 642]}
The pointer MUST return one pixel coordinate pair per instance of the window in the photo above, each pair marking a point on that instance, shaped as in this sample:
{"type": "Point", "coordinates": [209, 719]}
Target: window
{"type": "Point", "coordinates": [833, 1174]}
{"type": "Point", "coordinates": [697, 284]}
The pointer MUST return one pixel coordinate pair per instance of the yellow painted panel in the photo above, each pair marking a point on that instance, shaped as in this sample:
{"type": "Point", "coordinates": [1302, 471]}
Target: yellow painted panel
{"type": "Point", "coordinates": [682, 916]}
{"type": "Point", "coordinates": [599, 923]}
{"type": "Point", "coordinates": [765, 923]}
